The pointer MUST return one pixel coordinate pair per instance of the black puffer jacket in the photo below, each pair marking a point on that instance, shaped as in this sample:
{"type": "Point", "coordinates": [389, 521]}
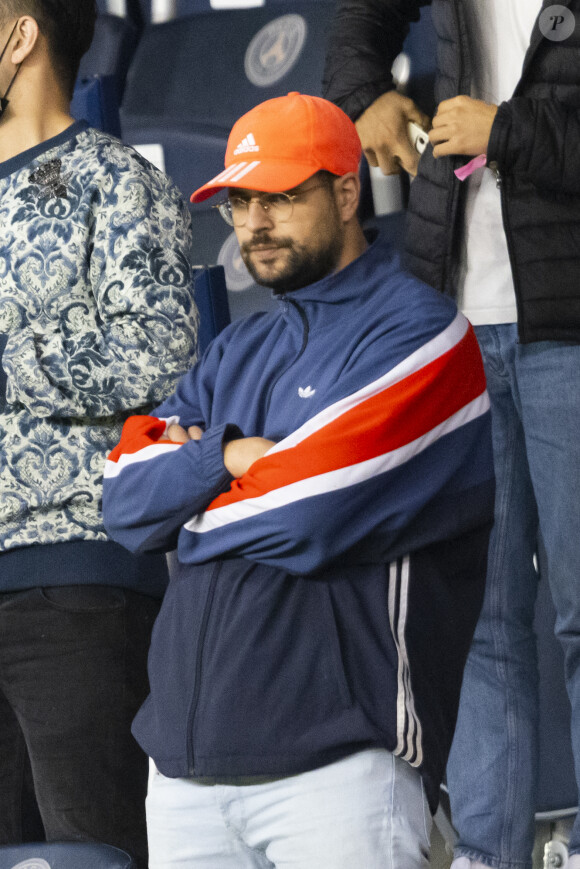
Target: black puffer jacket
{"type": "Point", "coordinates": [535, 144]}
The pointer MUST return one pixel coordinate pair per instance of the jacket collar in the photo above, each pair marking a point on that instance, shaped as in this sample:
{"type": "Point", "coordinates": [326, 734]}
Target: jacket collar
{"type": "Point", "coordinates": [346, 285]}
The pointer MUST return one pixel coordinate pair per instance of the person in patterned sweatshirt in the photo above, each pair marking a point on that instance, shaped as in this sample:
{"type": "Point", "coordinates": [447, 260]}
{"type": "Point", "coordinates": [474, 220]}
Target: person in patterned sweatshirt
{"type": "Point", "coordinates": [325, 473]}
{"type": "Point", "coordinates": [97, 321]}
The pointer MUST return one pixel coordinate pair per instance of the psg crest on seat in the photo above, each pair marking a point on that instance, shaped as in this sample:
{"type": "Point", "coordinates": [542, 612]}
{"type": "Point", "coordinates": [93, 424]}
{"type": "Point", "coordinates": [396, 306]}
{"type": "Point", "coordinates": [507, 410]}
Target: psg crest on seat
{"type": "Point", "coordinates": [275, 49]}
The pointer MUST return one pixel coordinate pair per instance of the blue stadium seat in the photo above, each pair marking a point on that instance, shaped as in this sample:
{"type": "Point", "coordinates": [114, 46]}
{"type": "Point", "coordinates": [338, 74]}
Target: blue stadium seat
{"type": "Point", "coordinates": [95, 101]}
{"type": "Point", "coordinates": [203, 71]}
{"type": "Point", "coordinates": [111, 50]}
{"type": "Point", "coordinates": [165, 10]}
{"type": "Point", "coordinates": [215, 242]}
{"type": "Point", "coordinates": [137, 11]}
{"type": "Point", "coordinates": [64, 855]}
{"type": "Point", "coordinates": [192, 78]}
{"type": "Point", "coordinates": [211, 298]}
{"type": "Point", "coordinates": [190, 7]}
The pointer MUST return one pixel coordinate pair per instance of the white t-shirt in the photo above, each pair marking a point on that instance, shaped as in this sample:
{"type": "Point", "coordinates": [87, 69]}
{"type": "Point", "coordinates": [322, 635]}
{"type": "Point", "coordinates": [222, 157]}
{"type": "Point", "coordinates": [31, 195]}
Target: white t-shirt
{"type": "Point", "coordinates": [499, 35]}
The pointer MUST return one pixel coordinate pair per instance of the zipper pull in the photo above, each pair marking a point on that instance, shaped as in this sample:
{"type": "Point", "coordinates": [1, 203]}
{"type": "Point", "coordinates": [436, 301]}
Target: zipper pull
{"type": "Point", "coordinates": [496, 172]}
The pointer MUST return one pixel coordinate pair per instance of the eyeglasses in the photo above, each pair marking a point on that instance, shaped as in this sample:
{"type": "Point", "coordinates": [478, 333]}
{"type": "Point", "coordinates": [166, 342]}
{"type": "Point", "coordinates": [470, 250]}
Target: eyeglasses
{"type": "Point", "coordinates": [278, 205]}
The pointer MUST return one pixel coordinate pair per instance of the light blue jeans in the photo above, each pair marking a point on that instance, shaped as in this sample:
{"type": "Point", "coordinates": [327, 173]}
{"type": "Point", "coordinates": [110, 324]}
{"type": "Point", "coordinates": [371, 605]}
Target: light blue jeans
{"type": "Point", "coordinates": [368, 810]}
{"type": "Point", "coordinates": [492, 771]}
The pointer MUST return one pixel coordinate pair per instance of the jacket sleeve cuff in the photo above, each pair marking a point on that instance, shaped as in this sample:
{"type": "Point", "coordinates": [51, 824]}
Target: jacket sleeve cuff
{"type": "Point", "coordinates": [213, 441]}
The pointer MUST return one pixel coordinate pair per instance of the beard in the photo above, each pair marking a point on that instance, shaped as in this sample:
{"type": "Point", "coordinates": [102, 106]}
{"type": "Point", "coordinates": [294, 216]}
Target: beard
{"type": "Point", "coordinates": [302, 265]}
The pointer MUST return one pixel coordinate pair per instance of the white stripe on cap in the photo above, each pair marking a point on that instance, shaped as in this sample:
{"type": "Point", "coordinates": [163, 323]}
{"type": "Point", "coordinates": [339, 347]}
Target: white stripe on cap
{"type": "Point", "coordinates": [227, 173]}
{"type": "Point", "coordinates": [244, 171]}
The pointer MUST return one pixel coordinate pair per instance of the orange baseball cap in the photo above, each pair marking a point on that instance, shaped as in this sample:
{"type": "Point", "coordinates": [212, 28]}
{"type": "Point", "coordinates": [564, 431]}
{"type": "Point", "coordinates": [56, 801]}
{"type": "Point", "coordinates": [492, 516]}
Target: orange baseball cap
{"type": "Point", "coordinates": [282, 142]}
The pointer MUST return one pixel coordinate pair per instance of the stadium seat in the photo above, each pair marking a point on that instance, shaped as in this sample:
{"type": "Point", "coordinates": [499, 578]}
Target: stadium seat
{"type": "Point", "coordinates": [184, 97]}
{"type": "Point", "coordinates": [111, 50]}
{"type": "Point", "coordinates": [95, 101]}
{"type": "Point", "coordinates": [215, 242]}
{"type": "Point", "coordinates": [165, 10]}
{"type": "Point", "coordinates": [134, 10]}
{"type": "Point", "coordinates": [64, 855]}
{"type": "Point", "coordinates": [204, 71]}
{"type": "Point", "coordinates": [211, 298]}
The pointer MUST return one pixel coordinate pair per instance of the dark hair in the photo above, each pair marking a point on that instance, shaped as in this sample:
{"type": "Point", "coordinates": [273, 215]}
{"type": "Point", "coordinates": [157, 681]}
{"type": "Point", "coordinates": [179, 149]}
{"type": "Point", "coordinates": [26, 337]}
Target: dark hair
{"type": "Point", "coordinates": [67, 25]}
{"type": "Point", "coordinates": [325, 177]}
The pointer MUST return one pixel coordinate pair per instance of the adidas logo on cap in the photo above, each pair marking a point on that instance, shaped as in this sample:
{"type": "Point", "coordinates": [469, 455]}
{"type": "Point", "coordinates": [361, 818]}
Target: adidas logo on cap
{"type": "Point", "coordinates": [247, 144]}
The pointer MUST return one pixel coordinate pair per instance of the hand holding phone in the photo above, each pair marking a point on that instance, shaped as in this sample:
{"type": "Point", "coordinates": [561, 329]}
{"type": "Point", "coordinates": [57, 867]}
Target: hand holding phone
{"type": "Point", "coordinates": [419, 138]}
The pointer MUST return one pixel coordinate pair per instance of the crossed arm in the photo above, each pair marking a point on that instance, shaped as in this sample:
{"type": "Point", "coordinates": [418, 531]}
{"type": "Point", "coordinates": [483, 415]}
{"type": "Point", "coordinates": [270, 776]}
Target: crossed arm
{"type": "Point", "coordinates": [239, 454]}
{"type": "Point", "coordinates": [375, 457]}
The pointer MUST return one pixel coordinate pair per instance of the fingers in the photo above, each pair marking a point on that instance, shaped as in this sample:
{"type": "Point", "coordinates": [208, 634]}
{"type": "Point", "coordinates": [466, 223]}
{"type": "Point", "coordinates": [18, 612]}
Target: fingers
{"type": "Point", "coordinates": [177, 434]}
{"type": "Point", "coordinates": [462, 125]}
{"type": "Point", "coordinates": [383, 132]}
{"type": "Point", "coordinates": [409, 157]}
{"type": "Point", "coordinates": [406, 157]}
{"type": "Point", "coordinates": [388, 163]}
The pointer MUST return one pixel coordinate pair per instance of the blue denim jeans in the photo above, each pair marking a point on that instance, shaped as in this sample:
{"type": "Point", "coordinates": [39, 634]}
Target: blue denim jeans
{"type": "Point", "coordinates": [368, 810]}
{"type": "Point", "coordinates": [492, 771]}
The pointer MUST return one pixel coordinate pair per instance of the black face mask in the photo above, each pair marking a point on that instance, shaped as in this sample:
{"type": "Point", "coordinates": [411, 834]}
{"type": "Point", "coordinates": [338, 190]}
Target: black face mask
{"type": "Point", "coordinates": [3, 100]}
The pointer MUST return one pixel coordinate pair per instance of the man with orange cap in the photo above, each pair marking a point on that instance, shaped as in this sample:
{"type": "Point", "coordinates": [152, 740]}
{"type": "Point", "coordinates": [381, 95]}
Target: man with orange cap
{"type": "Point", "coordinates": [325, 474]}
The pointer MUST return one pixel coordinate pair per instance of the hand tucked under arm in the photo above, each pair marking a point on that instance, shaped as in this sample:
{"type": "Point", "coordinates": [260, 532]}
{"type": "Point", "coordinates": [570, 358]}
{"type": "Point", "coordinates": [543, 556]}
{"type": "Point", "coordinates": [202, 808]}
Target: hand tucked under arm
{"type": "Point", "coordinates": [240, 455]}
{"type": "Point", "coordinates": [157, 476]}
{"type": "Point", "coordinates": [462, 125]}
{"type": "Point", "coordinates": [177, 434]}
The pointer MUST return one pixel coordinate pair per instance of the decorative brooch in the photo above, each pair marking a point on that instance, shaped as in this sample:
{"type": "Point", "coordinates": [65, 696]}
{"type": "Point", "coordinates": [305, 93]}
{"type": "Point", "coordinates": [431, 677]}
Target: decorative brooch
{"type": "Point", "coordinates": [48, 177]}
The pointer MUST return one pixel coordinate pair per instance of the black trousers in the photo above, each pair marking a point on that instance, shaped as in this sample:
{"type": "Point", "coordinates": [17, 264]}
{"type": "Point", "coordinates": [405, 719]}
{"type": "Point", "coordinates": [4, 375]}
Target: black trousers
{"type": "Point", "coordinates": [72, 676]}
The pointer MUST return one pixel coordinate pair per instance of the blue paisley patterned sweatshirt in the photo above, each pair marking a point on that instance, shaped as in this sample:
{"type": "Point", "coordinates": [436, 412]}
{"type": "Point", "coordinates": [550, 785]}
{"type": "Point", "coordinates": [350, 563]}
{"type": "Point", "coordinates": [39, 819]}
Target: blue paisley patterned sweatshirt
{"type": "Point", "coordinates": [97, 321]}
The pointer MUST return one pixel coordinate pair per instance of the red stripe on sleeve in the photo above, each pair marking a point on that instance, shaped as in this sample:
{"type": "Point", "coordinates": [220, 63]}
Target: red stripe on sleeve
{"type": "Point", "coordinates": [378, 425]}
{"type": "Point", "coordinates": [138, 432]}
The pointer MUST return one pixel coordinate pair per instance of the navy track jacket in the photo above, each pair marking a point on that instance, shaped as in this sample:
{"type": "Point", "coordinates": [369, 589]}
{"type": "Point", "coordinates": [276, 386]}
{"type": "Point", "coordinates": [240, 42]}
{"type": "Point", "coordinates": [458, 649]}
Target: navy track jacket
{"type": "Point", "coordinates": [325, 601]}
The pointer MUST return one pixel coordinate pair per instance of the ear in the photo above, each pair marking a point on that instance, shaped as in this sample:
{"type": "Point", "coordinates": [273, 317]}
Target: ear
{"type": "Point", "coordinates": [25, 39]}
{"type": "Point", "coordinates": [347, 190]}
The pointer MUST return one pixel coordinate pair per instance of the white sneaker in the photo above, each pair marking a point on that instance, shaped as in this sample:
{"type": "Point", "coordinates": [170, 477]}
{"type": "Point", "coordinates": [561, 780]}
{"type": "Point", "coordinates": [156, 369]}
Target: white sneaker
{"type": "Point", "coordinates": [573, 862]}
